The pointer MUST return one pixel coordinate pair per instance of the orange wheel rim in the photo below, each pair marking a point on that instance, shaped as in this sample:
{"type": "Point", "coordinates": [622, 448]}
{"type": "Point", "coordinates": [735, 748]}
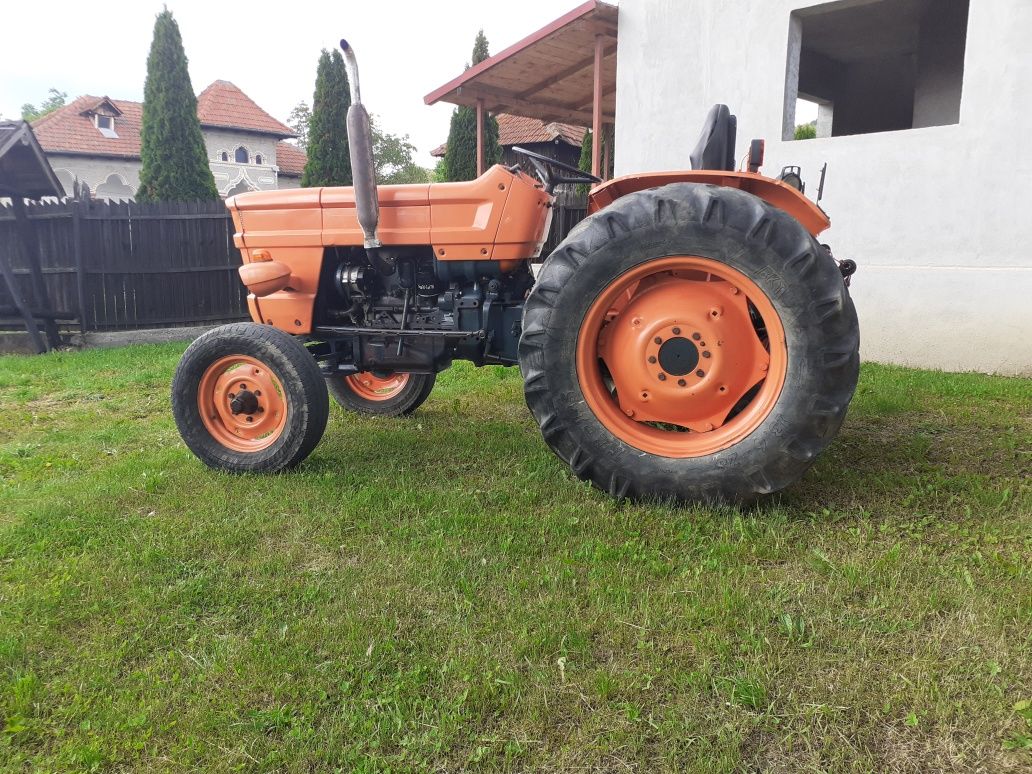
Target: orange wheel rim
{"type": "Point", "coordinates": [367, 385]}
{"type": "Point", "coordinates": [682, 357]}
{"type": "Point", "coordinates": [242, 403]}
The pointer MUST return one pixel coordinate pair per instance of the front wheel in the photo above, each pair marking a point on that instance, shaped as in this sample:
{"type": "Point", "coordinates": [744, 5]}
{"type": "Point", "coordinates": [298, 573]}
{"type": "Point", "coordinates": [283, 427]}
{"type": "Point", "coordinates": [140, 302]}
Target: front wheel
{"type": "Point", "coordinates": [387, 395]}
{"type": "Point", "coordinates": [690, 343]}
{"type": "Point", "coordinates": [249, 398]}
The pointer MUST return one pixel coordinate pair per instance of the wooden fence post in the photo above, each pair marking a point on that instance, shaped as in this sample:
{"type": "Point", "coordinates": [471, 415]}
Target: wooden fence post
{"type": "Point", "coordinates": [80, 272]}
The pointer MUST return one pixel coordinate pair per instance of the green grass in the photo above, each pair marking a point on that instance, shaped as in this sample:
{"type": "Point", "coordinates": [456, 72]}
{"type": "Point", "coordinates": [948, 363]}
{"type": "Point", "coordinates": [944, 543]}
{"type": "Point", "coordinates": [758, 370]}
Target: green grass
{"type": "Point", "coordinates": [438, 593]}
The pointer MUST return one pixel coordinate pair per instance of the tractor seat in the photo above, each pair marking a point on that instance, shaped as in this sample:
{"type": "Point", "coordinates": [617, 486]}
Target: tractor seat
{"type": "Point", "coordinates": [716, 146]}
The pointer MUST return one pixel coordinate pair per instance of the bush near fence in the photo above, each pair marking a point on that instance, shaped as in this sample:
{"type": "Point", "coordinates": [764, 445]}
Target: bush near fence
{"type": "Point", "coordinates": [122, 265]}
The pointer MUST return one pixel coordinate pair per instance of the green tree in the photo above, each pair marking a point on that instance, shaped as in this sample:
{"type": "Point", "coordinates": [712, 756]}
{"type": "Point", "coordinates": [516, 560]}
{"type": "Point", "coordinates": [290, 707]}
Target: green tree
{"type": "Point", "coordinates": [806, 131]}
{"type": "Point", "coordinates": [299, 120]}
{"type": "Point", "coordinates": [175, 162]}
{"type": "Point", "coordinates": [392, 155]}
{"type": "Point", "coordinates": [30, 112]}
{"type": "Point", "coordinates": [460, 158]}
{"type": "Point", "coordinates": [329, 159]}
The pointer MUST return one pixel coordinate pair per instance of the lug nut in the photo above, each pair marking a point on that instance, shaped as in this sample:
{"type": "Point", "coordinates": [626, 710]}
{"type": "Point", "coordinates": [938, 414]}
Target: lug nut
{"type": "Point", "coordinates": [706, 354]}
{"type": "Point", "coordinates": [658, 340]}
{"type": "Point", "coordinates": [652, 358]}
{"type": "Point", "coordinates": [629, 412]}
{"type": "Point", "coordinates": [696, 336]}
{"type": "Point", "coordinates": [681, 382]}
{"type": "Point", "coordinates": [700, 373]}
{"type": "Point", "coordinates": [676, 331]}
{"type": "Point", "coordinates": [662, 377]}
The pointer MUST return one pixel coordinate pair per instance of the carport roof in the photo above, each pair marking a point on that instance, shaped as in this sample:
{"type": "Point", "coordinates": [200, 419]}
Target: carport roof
{"type": "Point", "coordinates": [549, 74]}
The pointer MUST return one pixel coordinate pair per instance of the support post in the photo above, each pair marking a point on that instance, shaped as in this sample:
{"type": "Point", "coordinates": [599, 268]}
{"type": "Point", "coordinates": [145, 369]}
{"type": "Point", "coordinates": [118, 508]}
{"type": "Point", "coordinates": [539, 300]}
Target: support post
{"type": "Point", "coordinates": [7, 270]}
{"type": "Point", "coordinates": [480, 137]}
{"type": "Point", "coordinates": [607, 151]}
{"type": "Point", "coordinates": [596, 109]}
{"type": "Point", "coordinates": [30, 245]}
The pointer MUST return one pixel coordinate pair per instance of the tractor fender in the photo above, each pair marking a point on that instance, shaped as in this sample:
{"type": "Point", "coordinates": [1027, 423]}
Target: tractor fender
{"type": "Point", "coordinates": [775, 192]}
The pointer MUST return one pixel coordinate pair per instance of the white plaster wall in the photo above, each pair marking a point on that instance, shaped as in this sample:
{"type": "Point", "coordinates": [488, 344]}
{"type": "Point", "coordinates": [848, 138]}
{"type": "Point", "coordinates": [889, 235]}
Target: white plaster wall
{"type": "Point", "coordinates": [228, 174]}
{"type": "Point", "coordinates": [935, 217]}
{"type": "Point", "coordinates": [94, 170]}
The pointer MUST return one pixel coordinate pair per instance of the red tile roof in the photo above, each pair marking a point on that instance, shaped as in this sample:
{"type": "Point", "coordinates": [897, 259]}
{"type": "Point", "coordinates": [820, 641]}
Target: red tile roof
{"type": "Point", "coordinates": [222, 104]}
{"type": "Point", "coordinates": [513, 130]}
{"type": "Point", "coordinates": [67, 130]}
{"type": "Point", "coordinates": [290, 159]}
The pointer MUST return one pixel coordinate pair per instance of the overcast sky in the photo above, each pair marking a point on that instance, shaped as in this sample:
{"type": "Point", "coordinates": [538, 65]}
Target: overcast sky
{"type": "Point", "coordinates": [405, 48]}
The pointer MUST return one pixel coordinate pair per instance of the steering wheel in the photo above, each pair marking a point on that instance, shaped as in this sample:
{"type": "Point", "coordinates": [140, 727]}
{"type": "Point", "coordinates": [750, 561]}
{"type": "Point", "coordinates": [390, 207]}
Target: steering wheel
{"type": "Point", "coordinates": [544, 166]}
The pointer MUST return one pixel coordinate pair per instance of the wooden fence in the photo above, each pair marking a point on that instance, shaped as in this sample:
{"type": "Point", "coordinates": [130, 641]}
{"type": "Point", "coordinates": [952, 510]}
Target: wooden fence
{"type": "Point", "coordinates": [119, 265]}
{"type": "Point", "coordinates": [122, 265]}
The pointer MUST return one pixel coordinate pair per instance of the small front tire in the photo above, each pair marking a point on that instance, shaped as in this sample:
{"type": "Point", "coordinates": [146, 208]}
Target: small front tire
{"type": "Point", "coordinates": [249, 398]}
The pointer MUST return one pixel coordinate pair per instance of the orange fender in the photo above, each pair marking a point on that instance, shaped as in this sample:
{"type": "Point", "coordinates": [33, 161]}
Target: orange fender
{"type": "Point", "coordinates": [780, 195]}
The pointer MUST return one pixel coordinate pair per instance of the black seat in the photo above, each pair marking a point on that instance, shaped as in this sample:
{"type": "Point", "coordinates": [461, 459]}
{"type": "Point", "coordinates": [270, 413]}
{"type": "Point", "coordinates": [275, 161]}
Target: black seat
{"type": "Point", "coordinates": [716, 146]}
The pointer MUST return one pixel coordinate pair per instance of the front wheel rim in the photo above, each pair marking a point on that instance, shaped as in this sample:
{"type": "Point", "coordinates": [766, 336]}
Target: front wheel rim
{"type": "Point", "coordinates": [369, 386]}
{"type": "Point", "coordinates": [681, 356]}
{"type": "Point", "coordinates": [242, 403]}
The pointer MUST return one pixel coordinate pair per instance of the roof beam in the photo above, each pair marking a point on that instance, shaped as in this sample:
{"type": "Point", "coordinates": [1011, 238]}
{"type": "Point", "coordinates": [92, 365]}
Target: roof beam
{"type": "Point", "coordinates": [565, 73]}
{"type": "Point", "coordinates": [499, 101]}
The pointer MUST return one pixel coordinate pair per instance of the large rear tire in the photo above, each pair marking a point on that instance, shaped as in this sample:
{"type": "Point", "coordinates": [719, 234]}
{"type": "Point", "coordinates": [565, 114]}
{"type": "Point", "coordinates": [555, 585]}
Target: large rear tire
{"type": "Point", "coordinates": [249, 398]}
{"type": "Point", "coordinates": [382, 396]}
{"type": "Point", "coordinates": [689, 343]}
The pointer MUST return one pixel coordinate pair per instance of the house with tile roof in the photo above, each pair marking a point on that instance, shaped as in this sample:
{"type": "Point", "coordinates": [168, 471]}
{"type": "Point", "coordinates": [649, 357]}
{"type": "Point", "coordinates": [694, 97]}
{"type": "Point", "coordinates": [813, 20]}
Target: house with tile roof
{"type": "Point", "coordinates": [559, 141]}
{"type": "Point", "coordinates": [96, 140]}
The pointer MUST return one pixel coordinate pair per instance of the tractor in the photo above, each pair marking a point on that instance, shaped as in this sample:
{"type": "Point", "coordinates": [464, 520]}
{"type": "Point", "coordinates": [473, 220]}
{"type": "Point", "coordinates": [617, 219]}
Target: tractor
{"type": "Point", "coordinates": [690, 340]}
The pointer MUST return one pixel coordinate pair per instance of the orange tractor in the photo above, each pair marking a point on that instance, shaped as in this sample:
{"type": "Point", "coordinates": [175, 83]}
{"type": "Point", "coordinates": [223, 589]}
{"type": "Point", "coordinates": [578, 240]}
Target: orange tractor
{"type": "Point", "coordinates": [689, 340]}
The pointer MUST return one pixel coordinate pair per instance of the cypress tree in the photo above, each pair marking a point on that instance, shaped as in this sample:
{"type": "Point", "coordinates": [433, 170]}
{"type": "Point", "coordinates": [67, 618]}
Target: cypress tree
{"type": "Point", "coordinates": [175, 161]}
{"type": "Point", "coordinates": [460, 157]}
{"type": "Point", "coordinates": [329, 159]}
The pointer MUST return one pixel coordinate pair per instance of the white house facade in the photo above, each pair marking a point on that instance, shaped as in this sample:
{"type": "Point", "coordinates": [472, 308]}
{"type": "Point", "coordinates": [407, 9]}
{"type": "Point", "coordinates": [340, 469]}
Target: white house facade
{"type": "Point", "coordinates": [96, 141]}
{"type": "Point", "coordinates": [922, 114]}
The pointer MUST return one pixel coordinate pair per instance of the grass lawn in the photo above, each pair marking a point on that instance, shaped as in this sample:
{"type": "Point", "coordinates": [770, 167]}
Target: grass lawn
{"type": "Point", "coordinates": [437, 593]}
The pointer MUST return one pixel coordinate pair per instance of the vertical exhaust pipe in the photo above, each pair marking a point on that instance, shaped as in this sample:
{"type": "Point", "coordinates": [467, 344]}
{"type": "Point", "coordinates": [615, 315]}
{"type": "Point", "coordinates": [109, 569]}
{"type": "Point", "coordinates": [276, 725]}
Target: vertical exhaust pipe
{"type": "Point", "coordinates": [360, 141]}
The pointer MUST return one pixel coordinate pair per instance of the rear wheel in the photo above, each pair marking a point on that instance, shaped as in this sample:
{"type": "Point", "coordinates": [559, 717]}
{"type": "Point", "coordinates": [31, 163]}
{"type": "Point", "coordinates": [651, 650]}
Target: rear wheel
{"type": "Point", "coordinates": [249, 398]}
{"type": "Point", "coordinates": [387, 395]}
{"type": "Point", "coordinates": [689, 342]}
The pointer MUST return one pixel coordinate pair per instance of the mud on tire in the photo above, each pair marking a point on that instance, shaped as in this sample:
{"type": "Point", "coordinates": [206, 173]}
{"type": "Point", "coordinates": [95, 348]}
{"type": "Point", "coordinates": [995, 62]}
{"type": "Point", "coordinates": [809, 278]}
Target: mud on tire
{"type": "Point", "coordinates": [734, 229]}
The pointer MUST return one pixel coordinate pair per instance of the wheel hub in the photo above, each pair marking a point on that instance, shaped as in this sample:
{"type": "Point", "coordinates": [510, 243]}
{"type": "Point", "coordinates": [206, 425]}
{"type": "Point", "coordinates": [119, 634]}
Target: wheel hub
{"type": "Point", "coordinates": [678, 356]}
{"type": "Point", "coordinates": [241, 403]}
{"type": "Point", "coordinates": [673, 346]}
{"type": "Point", "coordinates": [245, 402]}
